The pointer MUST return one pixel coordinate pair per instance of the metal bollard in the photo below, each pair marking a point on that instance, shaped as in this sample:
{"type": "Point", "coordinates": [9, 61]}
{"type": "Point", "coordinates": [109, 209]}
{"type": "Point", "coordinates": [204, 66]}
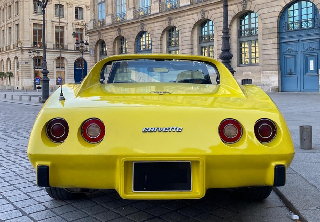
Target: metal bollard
{"type": "Point", "coordinates": [306, 137]}
{"type": "Point", "coordinates": [29, 98]}
{"type": "Point", "coordinates": [11, 97]}
{"type": "Point", "coordinates": [26, 90]}
{"type": "Point", "coordinates": [5, 96]}
{"type": "Point", "coordinates": [20, 97]}
{"type": "Point", "coordinates": [39, 98]}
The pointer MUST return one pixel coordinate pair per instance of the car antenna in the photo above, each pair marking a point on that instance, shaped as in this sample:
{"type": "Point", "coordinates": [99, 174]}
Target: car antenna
{"type": "Point", "coordinates": [61, 97]}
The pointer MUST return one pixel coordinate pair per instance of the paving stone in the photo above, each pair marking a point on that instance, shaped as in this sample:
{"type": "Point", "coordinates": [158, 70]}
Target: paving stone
{"type": "Point", "coordinates": [126, 210]}
{"type": "Point", "coordinates": [95, 210]}
{"type": "Point", "coordinates": [174, 216]}
{"type": "Point", "coordinates": [106, 216]}
{"type": "Point", "coordinates": [6, 207]}
{"type": "Point", "coordinates": [140, 216]}
{"type": "Point", "coordinates": [20, 219]}
{"type": "Point", "coordinates": [158, 210]}
{"type": "Point", "coordinates": [10, 215]}
{"type": "Point", "coordinates": [26, 203]}
{"type": "Point", "coordinates": [63, 209]}
{"type": "Point", "coordinates": [74, 215]}
{"type": "Point", "coordinates": [33, 208]}
{"type": "Point", "coordinates": [42, 215]}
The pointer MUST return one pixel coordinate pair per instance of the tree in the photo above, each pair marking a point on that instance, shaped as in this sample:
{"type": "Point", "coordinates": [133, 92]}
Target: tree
{"type": "Point", "coordinates": [2, 75]}
{"type": "Point", "coordinates": [9, 75]}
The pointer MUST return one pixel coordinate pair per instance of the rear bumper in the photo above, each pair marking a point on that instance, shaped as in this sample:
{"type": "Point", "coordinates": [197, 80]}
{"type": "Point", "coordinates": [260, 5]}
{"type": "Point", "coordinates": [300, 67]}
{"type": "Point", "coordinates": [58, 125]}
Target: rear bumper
{"type": "Point", "coordinates": [116, 172]}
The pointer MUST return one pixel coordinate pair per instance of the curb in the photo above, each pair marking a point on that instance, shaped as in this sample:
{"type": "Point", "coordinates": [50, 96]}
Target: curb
{"type": "Point", "coordinates": [289, 204]}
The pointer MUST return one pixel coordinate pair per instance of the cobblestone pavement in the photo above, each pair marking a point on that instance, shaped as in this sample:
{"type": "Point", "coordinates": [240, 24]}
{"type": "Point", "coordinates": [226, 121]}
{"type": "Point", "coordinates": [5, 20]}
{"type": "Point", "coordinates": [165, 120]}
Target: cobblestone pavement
{"type": "Point", "coordinates": [22, 200]}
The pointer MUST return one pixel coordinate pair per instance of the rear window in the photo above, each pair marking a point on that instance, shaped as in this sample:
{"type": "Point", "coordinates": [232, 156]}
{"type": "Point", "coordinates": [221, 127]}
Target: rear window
{"type": "Point", "coordinates": [163, 71]}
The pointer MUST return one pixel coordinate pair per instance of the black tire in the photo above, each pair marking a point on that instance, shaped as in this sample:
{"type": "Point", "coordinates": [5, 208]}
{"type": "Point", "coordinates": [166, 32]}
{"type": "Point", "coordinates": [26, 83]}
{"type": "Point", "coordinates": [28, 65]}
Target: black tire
{"type": "Point", "coordinates": [63, 194]}
{"type": "Point", "coordinates": [254, 193]}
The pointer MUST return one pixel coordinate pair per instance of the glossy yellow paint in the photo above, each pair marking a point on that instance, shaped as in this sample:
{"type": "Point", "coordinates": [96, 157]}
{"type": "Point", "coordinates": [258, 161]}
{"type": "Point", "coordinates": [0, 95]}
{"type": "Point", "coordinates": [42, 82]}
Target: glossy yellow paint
{"type": "Point", "coordinates": [127, 108]}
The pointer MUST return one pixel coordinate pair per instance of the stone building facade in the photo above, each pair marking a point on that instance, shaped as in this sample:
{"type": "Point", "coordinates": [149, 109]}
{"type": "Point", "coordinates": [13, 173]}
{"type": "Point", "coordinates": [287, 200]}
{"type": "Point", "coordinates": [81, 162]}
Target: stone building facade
{"type": "Point", "coordinates": [21, 41]}
{"type": "Point", "coordinates": [275, 42]}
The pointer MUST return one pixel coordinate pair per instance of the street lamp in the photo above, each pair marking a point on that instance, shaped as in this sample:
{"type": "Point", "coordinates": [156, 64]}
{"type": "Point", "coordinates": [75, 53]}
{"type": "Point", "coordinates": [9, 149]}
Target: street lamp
{"type": "Point", "coordinates": [81, 47]}
{"type": "Point", "coordinates": [45, 79]}
{"type": "Point", "coordinates": [34, 54]}
{"type": "Point", "coordinates": [226, 55]}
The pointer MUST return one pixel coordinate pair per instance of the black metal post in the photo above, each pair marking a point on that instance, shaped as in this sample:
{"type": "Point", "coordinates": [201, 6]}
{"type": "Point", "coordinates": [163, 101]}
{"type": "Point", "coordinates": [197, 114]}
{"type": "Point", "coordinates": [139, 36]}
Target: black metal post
{"type": "Point", "coordinates": [45, 79]}
{"type": "Point", "coordinates": [82, 65]}
{"type": "Point", "coordinates": [225, 55]}
{"type": "Point", "coordinates": [34, 73]}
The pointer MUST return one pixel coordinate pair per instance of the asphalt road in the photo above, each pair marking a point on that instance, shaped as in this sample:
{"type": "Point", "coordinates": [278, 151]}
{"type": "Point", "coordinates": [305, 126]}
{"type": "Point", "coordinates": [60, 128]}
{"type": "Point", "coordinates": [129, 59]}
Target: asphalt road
{"type": "Point", "coordinates": [22, 200]}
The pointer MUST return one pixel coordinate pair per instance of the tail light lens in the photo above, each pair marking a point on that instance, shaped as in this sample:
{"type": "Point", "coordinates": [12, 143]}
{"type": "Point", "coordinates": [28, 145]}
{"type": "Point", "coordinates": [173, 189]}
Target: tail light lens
{"type": "Point", "coordinates": [265, 130]}
{"type": "Point", "coordinates": [230, 131]}
{"type": "Point", "coordinates": [93, 130]}
{"type": "Point", "coordinates": [57, 130]}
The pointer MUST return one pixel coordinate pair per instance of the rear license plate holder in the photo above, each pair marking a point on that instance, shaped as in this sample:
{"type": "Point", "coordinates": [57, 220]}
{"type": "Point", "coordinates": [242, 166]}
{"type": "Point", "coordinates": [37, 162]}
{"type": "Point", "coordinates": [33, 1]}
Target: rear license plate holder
{"type": "Point", "coordinates": [162, 176]}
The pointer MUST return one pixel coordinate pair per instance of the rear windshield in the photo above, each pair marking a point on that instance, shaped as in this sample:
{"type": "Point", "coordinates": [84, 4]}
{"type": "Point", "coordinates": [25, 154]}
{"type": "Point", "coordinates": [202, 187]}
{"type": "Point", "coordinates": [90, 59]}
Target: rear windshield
{"type": "Point", "coordinates": [164, 71]}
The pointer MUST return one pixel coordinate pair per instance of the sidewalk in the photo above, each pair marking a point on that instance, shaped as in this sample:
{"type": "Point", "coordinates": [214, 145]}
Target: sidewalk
{"type": "Point", "coordinates": [302, 190]}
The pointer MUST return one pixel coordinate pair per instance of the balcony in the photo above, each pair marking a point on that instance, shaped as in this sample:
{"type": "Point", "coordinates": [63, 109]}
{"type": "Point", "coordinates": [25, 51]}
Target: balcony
{"type": "Point", "coordinates": [169, 5]}
{"type": "Point", "coordinates": [60, 46]}
{"type": "Point", "coordinates": [248, 32]}
{"type": "Point", "coordinates": [141, 12]}
{"type": "Point", "coordinates": [99, 24]}
{"type": "Point", "coordinates": [119, 17]}
{"type": "Point", "coordinates": [37, 45]}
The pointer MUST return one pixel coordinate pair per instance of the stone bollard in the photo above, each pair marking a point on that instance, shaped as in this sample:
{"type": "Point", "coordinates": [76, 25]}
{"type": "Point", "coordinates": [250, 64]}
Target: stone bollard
{"type": "Point", "coordinates": [4, 96]}
{"type": "Point", "coordinates": [306, 137]}
{"type": "Point", "coordinates": [39, 99]}
{"type": "Point", "coordinates": [20, 97]}
{"type": "Point", "coordinates": [26, 90]}
{"type": "Point", "coordinates": [29, 98]}
{"type": "Point", "coordinates": [12, 90]}
{"type": "Point", "coordinates": [11, 97]}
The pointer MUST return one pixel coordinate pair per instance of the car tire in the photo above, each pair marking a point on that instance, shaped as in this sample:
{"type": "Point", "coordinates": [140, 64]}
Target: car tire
{"type": "Point", "coordinates": [254, 193]}
{"type": "Point", "coordinates": [63, 194]}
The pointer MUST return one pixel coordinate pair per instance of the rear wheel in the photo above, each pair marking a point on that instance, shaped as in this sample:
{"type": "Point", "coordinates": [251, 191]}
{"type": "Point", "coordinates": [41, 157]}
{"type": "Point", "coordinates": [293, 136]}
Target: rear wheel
{"type": "Point", "coordinates": [63, 194]}
{"type": "Point", "coordinates": [254, 193]}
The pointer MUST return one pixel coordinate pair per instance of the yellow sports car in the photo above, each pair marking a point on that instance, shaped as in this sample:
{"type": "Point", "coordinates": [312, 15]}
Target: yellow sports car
{"type": "Point", "coordinates": [160, 127]}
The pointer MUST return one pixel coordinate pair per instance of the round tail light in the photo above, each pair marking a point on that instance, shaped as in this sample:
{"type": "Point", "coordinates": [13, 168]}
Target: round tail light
{"type": "Point", "coordinates": [230, 131]}
{"type": "Point", "coordinates": [57, 130]}
{"type": "Point", "coordinates": [265, 130]}
{"type": "Point", "coordinates": [93, 130]}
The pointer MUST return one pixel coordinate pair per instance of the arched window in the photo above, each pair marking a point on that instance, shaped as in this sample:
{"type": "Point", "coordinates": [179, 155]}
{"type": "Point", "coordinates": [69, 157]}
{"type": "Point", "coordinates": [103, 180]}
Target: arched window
{"type": "Point", "coordinates": [173, 40]}
{"type": "Point", "coordinates": [123, 46]}
{"type": "Point", "coordinates": [206, 38]}
{"type": "Point", "coordinates": [103, 50]}
{"type": "Point", "coordinates": [248, 39]}
{"type": "Point", "coordinates": [301, 16]}
{"type": "Point", "coordinates": [144, 43]}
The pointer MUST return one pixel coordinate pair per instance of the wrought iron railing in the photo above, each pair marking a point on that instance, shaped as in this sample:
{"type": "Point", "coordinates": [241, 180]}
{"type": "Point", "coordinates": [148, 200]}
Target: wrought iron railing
{"type": "Point", "coordinates": [60, 46]}
{"type": "Point", "coordinates": [197, 1]}
{"type": "Point", "coordinates": [248, 32]}
{"type": "Point", "coordinates": [101, 23]}
{"type": "Point", "coordinates": [37, 45]}
{"type": "Point", "coordinates": [119, 17]}
{"type": "Point", "coordinates": [141, 12]}
{"type": "Point", "coordinates": [169, 5]}
{"type": "Point", "coordinates": [206, 38]}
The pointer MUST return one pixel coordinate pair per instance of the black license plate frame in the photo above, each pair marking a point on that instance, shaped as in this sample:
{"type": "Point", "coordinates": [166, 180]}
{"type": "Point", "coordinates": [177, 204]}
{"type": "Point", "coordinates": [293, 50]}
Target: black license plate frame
{"type": "Point", "coordinates": [162, 176]}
